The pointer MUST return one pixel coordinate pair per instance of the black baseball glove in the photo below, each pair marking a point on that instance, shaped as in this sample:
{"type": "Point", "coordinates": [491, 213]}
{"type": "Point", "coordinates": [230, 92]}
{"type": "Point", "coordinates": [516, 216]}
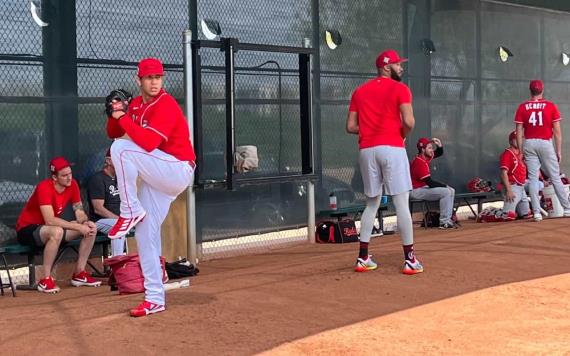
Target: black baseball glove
{"type": "Point", "coordinates": [117, 100]}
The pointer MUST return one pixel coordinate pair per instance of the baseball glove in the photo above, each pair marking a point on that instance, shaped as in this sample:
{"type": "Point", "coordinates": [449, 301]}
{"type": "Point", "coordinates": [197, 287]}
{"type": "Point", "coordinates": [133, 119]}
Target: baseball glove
{"type": "Point", "coordinates": [117, 100]}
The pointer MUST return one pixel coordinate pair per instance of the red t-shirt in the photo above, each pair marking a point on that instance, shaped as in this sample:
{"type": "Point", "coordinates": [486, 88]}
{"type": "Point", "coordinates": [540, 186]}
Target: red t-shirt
{"type": "Point", "coordinates": [419, 170]}
{"type": "Point", "coordinates": [537, 117]}
{"type": "Point", "coordinates": [515, 167]}
{"type": "Point", "coordinates": [45, 194]}
{"type": "Point", "coordinates": [159, 123]}
{"type": "Point", "coordinates": [377, 103]}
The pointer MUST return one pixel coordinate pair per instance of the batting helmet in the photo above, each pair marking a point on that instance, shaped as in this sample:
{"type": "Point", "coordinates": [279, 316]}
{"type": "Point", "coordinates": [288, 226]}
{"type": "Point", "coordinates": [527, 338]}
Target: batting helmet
{"type": "Point", "coordinates": [478, 185]}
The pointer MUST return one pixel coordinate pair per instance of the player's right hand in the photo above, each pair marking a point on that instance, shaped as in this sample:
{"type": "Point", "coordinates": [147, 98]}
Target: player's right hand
{"type": "Point", "coordinates": [509, 196]}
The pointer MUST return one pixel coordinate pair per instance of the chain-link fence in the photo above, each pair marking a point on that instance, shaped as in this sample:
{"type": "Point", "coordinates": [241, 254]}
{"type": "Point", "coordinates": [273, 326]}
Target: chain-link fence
{"type": "Point", "coordinates": [55, 80]}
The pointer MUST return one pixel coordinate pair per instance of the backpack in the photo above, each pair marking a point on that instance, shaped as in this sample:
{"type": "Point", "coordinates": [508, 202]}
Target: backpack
{"type": "Point", "coordinates": [432, 219]}
{"type": "Point", "coordinates": [126, 273]}
{"type": "Point", "coordinates": [337, 232]}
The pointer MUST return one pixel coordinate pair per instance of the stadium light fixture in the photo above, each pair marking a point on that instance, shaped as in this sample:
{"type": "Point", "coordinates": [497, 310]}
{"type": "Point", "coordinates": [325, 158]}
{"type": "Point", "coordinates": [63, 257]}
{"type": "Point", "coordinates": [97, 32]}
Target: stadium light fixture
{"type": "Point", "coordinates": [211, 28]}
{"type": "Point", "coordinates": [565, 58]}
{"type": "Point", "coordinates": [427, 46]}
{"type": "Point", "coordinates": [333, 39]}
{"type": "Point", "coordinates": [504, 53]}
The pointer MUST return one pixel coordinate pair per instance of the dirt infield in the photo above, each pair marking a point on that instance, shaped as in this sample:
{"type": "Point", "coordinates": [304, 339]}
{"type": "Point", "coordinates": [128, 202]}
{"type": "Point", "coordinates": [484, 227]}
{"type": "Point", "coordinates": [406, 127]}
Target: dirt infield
{"type": "Point", "coordinates": [488, 289]}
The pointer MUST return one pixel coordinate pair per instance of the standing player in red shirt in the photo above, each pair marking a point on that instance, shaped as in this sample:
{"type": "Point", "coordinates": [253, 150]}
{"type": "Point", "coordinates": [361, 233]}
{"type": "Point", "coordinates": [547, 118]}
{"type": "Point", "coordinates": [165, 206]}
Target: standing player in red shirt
{"type": "Point", "coordinates": [153, 143]}
{"type": "Point", "coordinates": [42, 224]}
{"type": "Point", "coordinates": [513, 176]}
{"type": "Point", "coordinates": [538, 120]}
{"type": "Point", "coordinates": [381, 114]}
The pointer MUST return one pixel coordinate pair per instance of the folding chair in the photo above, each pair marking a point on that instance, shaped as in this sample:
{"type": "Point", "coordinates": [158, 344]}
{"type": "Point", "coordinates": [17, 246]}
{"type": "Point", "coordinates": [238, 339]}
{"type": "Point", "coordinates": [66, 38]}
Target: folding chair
{"type": "Point", "coordinates": [7, 269]}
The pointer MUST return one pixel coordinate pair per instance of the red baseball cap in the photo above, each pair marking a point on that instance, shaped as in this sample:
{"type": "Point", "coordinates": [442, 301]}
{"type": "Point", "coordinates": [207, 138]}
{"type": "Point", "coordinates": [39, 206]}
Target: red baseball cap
{"type": "Point", "coordinates": [422, 143]}
{"type": "Point", "coordinates": [57, 164]}
{"type": "Point", "coordinates": [536, 86]}
{"type": "Point", "coordinates": [150, 66]}
{"type": "Point", "coordinates": [512, 136]}
{"type": "Point", "coordinates": [389, 56]}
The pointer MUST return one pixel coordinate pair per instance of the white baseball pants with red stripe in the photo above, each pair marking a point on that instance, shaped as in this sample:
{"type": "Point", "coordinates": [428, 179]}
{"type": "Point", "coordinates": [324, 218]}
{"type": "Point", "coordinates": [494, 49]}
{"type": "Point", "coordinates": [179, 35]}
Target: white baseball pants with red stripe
{"type": "Point", "coordinates": [163, 178]}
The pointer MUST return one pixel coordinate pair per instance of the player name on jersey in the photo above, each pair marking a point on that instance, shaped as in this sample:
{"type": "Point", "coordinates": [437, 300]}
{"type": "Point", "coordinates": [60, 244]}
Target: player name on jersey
{"type": "Point", "coordinates": [534, 106]}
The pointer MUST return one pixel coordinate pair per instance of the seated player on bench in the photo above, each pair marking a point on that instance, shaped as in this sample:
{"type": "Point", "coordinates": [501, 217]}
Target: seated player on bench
{"type": "Point", "coordinates": [426, 188]}
{"type": "Point", "coordinates": [41, 224]}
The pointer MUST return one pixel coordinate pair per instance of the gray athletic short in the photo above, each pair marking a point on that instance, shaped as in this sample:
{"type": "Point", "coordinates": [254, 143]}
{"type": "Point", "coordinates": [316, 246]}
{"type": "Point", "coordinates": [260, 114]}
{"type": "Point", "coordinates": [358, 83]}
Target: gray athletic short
{"type": "Point", "coordinates": [385, 168]}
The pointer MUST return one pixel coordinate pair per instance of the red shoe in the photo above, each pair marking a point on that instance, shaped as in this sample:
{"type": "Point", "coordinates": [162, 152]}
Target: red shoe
{"type": "Point", "coordinates": [124, 225]}
{"type": "Point", "coordinates": [145, 308]}
{"type": "Point", "coordinates": [47, 285]}
{"type": "Point", "coordinates": [84, 279]}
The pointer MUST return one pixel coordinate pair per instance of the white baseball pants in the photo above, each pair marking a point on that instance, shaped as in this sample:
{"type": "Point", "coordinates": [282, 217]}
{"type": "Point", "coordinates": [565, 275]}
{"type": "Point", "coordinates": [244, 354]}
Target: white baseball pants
{"type": "Point", "coordinates": [446, 197]}
{"type": "Point", "coordinates": [520, 203]}
{"type": "Point", "coordinates": [539, 153]}
{"type": "Point", "coordinates": [117, 245]}
{"type": "Point", "coordinates": [163, 178]}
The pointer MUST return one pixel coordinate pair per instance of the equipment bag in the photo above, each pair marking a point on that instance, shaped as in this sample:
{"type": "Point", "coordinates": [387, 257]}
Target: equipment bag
{"type": "Point", "coordinates": [432, 219]}
{"type": "Point", "coordinates": [126, 273]}
{"type": "Point", "coordinates": [180, 269]}
{"type": "Point", "coordinates": [337, 232]}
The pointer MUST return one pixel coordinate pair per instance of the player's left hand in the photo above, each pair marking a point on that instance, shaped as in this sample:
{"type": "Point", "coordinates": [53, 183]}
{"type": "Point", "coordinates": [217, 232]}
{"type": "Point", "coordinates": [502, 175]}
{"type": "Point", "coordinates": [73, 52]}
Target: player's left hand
{"type": "Point", "coordinates": [437, 141]}
{"type": "Point", "coordinates": [92, 227]}
{"type": "Point", "coordinates": [117, 103]}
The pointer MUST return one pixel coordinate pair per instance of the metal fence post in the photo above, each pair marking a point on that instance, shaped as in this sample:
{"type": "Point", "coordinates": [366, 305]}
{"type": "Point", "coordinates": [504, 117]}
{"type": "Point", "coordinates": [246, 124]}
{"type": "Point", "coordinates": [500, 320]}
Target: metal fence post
{"type": "Point", "coordinates": [191, 245]}
{"type": "Point", "coordinates": [310, 183]}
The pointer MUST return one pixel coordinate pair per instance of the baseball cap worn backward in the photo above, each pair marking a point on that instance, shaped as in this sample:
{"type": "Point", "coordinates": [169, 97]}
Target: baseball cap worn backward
{"type": "Point", "coordinates": [536, 85]}
{"type": "Point", "coordinates": [150, 66]}
{"type": "Point", "coordinates": [57, 164]}
{"type": "Point", "coordinates": [389, 56]}
{"type": "Point", "coordinates": [423, 142]}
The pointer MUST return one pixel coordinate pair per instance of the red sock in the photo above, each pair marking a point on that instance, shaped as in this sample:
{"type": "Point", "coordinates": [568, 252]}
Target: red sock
{"type": "Point", "coordinates": [409, 253]}
{"type": "Point", "coordinates": [363, 253]}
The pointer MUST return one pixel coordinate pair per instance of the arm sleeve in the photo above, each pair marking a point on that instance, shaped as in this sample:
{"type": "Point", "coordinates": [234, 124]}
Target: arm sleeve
{"type": "Point", "coordinates": [147, 139]}
{"type": "Point", "coordinates": [114, 130]}
{"type": "Point", "coordinates": [504, 162]}
{"type": "Point", "coordinates": [433, 183]}
{"type": "Point", "coordinates": [555, 113]}
{"type": "Point", "coordinates": [519, 115]}
{"type": "Point", "coordinates": [95, 188]}
{"type": "Point", "coordinates": [353, 103]}
{"type": "Point", "coordinates": [44, 195]}
{"type": "Point", "coordinates": [438, 152]}
{"type": "Point", "coordinates": [404, 95]}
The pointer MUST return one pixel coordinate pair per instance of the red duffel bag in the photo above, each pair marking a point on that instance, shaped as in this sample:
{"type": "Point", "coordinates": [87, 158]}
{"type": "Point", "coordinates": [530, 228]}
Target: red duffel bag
{"type": "Point", "coordinates": [126, 273]}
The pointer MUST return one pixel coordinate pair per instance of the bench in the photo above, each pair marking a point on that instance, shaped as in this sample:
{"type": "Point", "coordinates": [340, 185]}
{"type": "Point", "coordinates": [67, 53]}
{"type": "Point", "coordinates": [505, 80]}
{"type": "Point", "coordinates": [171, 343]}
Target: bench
{"type": "Point", "coordinates": [356, 211]}
{"type": "Point", "coordinates": [462, 199]}
{"type": "Point", "coordinates": [18, 249]}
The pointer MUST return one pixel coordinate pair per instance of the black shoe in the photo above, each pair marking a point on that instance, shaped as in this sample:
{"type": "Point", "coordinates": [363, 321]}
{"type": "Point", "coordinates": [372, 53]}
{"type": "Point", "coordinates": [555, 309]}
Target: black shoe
{"type": "Point", "coordinates": [447, 226]}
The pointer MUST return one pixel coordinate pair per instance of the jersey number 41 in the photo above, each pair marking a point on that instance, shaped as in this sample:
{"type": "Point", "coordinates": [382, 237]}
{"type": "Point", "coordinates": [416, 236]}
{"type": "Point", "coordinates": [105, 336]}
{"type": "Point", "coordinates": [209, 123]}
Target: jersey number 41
{"type": "Point", "coordinates": [533, 118]}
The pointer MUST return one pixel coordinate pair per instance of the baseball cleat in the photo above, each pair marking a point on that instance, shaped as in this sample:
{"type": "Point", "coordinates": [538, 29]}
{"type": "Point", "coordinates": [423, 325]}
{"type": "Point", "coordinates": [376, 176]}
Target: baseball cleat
{"type": "Point", "coordinates": [537, 217]}
{"type": "Point", "coordinates": [446, 226]}
{"type": "Point", "coordinates": [412, 267]}
{"type": "Point", "coordinates": [365, 265]}
{"type": "Point", "coordinates": [566, 213]}
{"type": "Point", "coordinates": [47, 285]}
{"type": "Point", "coordinates": [145, 308]}
{"type": "Point", "coordinates": [124, 225]}
{"type": "Point", "coordinates": [84, 279]}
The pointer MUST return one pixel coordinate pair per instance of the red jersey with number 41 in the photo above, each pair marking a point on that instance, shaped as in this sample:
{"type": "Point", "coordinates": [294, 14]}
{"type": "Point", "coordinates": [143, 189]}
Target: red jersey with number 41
{"type": "Point", "coordinates": [537, 117]}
